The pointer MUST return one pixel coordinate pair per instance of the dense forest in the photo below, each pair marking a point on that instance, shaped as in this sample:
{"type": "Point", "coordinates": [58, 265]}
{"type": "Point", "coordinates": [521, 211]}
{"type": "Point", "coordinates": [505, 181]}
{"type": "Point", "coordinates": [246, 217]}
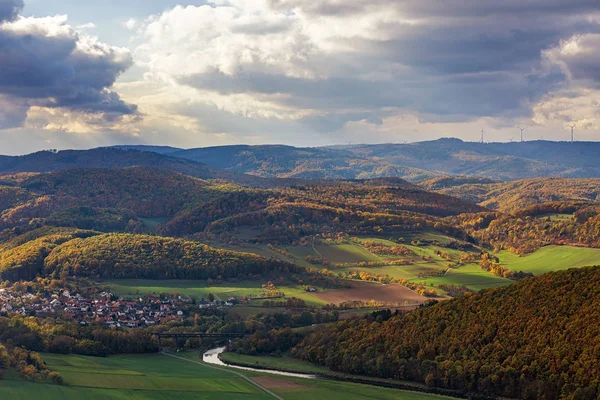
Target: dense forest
{"type": "Point", "coordinates": [74, 252]}
{"type": "Point", "coordinates": [536, 339]}
{"type": "Point", "coordinates": [153, 257]}
{"type": "Point", "coordinates": [23, 257]}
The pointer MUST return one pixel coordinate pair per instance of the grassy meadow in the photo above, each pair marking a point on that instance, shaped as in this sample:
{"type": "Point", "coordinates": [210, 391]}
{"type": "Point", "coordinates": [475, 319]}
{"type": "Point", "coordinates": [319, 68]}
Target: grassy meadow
{"type": "Point", "coordinates": [151, 376]}
{"type": "Point", "coordinates": [551, 258]}
{"type": "Point", "coordinates": [159, 377]}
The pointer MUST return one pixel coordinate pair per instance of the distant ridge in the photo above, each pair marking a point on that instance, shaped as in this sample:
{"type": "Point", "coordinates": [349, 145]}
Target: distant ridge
{"type": "Point", "coordinates": [414, 162]}
{"type": "Point", "coordinates": [50, 161]}
{"type": "Point", "coordinates": [411, 161]}
{"type": "Point", "coordinates": [150, 148]}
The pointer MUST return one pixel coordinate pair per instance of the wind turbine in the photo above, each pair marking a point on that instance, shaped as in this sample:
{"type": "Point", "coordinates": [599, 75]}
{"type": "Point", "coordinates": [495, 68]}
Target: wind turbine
{"type": "Point", "coordinates": [512, 139]}
{"type": "Point", "coordinates": [572, 132]}
{"type": "Point", "coordinates": [482, 136]}
{"type": "Point", "coordinates": [522, 129]}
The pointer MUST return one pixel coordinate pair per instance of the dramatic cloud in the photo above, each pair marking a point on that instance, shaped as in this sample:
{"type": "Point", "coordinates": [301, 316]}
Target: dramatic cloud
{"type": "Point", "coordinates": [45, 63]}
{"type": "Point", "coordinates": [328, 63]}
{"type": "Point", "coordinates": [579, 57]}
{"type": "Point", "coordinates": [305, 72]}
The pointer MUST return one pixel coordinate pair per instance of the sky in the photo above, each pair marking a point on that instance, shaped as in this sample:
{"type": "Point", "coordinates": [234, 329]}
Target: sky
{"type": "Point", "coordinates": [81, 74]}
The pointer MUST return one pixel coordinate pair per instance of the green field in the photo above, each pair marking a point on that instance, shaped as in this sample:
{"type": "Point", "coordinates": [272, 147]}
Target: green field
{"type": "Point", "coordinates": [347, 391]}
{"type": "Point", "coordinates": [319, 388]}
{"type": "Point", "coordinates": [149, 377]}
{"type": "Point", "coordinates": [201, 289]}
{"type": "Point", "coordinates": [471, 276]}
{"type": "Point", "coordinates": [159, 377]}
{"type": "Point", "coordinates": [551, 258]}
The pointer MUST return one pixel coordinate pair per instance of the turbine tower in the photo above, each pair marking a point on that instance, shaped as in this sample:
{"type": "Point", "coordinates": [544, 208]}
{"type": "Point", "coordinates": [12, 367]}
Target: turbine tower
{"type": "Point", "coordinates": [522, 129]}
{"type": "Point", "coordinates": [482, 136]}
{"type": "Point", "coordinates": [572, 132]}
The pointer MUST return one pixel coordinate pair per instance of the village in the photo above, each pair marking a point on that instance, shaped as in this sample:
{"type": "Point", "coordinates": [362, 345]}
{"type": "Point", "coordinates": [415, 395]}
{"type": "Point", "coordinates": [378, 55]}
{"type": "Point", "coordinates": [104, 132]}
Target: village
{"type": "Point", "coordinates": [105, 308]}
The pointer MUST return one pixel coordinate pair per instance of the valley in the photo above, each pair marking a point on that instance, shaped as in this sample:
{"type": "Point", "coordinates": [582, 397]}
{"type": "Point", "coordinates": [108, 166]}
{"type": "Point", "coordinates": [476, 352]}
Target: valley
{"type": "Point", "coordinates": [103, 268]}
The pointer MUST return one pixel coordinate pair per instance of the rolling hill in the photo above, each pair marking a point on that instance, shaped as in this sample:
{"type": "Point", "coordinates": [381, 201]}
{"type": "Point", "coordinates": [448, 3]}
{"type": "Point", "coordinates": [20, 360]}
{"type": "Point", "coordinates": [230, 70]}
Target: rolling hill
{"type": "Point", "coordinates": [508, 196]}
{"type": "Point", "coordinates": [499, 161]}
{"type": "Point", "coordinates": [308, 163]}
{"type": "Point", "coordinates": [73, 252]}
{"type": "Point", "coordinates": [50, 161]}
{"type": "Point", "coordinates": [411, 161]}
{"type": "Point", "coordinates": [536, 339]}
{"type": "Point", "coordinates": [124, 199]}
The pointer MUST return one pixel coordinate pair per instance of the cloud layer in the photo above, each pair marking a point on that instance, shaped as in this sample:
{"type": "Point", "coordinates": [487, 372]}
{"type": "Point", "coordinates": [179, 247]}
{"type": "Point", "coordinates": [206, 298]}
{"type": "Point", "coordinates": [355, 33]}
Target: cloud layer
{"type": "Point", "coordinates": [333, 62]}
{"type": "Point", "coordinates": [308, 72]}
{"type": "Point", "coordinates": [45, 63]}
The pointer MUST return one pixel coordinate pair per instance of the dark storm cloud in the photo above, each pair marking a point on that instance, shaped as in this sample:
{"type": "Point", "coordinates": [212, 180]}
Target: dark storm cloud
{"type": "Point", "coordinates": [9, 9]}
{"type": "Point", "coordinates": [39, 67]}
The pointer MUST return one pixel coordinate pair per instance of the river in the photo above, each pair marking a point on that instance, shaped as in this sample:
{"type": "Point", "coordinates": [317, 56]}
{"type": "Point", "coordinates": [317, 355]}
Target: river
{"type": "Point", "coordinates": [212, 357]}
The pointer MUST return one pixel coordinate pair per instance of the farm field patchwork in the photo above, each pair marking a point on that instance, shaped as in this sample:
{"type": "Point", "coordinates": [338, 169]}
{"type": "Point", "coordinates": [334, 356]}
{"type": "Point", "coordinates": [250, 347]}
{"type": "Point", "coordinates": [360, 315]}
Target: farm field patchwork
{"type": "Point", "coordinates": [303, 389]}
{"type": "Point", "coordinates": [158, 377]}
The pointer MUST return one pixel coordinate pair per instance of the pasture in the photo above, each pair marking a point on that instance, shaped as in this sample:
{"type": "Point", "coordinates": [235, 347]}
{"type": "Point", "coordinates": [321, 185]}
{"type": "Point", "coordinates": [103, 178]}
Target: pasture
{"type": "Point", "coordinates": [551, 258]}
{"type": "Point", "coordinates": [470, 275]}
{"type": "Point", "coordinates": [143, 377]}
{"type": "Point", "coordinates": [158, 377]}
{"type": "Point", "coordinates": [323, 389]}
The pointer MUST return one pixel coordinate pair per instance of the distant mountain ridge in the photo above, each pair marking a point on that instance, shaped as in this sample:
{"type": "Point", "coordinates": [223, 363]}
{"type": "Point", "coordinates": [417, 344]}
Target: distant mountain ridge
{"type": "Point", "coordinates": [412, 161]}
{"type": "Point", "coordinates": [270, 161]}
{"type": "Point", "coordinates": [51, 161]}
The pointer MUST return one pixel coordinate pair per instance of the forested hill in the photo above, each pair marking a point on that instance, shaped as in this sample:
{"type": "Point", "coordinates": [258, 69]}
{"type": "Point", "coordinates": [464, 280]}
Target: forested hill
{"type": "Point", "coordinates": [499, 161]}
{"type": "Point", "coordinates": [411, 161]}
{"type": "Point", "coordinates": [148, 199]}
{"type": "Point", "coordinates": [536, 339]}
{"type": "Point", "coordinates": [49, 161]}
{"type": "Point", "coordinates": [508, 196]}
{"type": "Point", "coordinates": [307, 163]}
{"type": "Point", "coordinates": [70, 252]}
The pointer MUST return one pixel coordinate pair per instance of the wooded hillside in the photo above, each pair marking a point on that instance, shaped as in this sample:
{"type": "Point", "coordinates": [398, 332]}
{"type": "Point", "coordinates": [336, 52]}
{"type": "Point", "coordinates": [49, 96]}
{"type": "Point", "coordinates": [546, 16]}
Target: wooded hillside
{"type": "Point", "coordinates": [536, 339]}
{"type": "Point", "coordinates": [153, 257]}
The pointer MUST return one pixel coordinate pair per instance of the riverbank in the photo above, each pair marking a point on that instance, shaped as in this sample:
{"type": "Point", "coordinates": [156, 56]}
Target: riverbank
{"type": "Point", "coordinates": [323, 373]}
